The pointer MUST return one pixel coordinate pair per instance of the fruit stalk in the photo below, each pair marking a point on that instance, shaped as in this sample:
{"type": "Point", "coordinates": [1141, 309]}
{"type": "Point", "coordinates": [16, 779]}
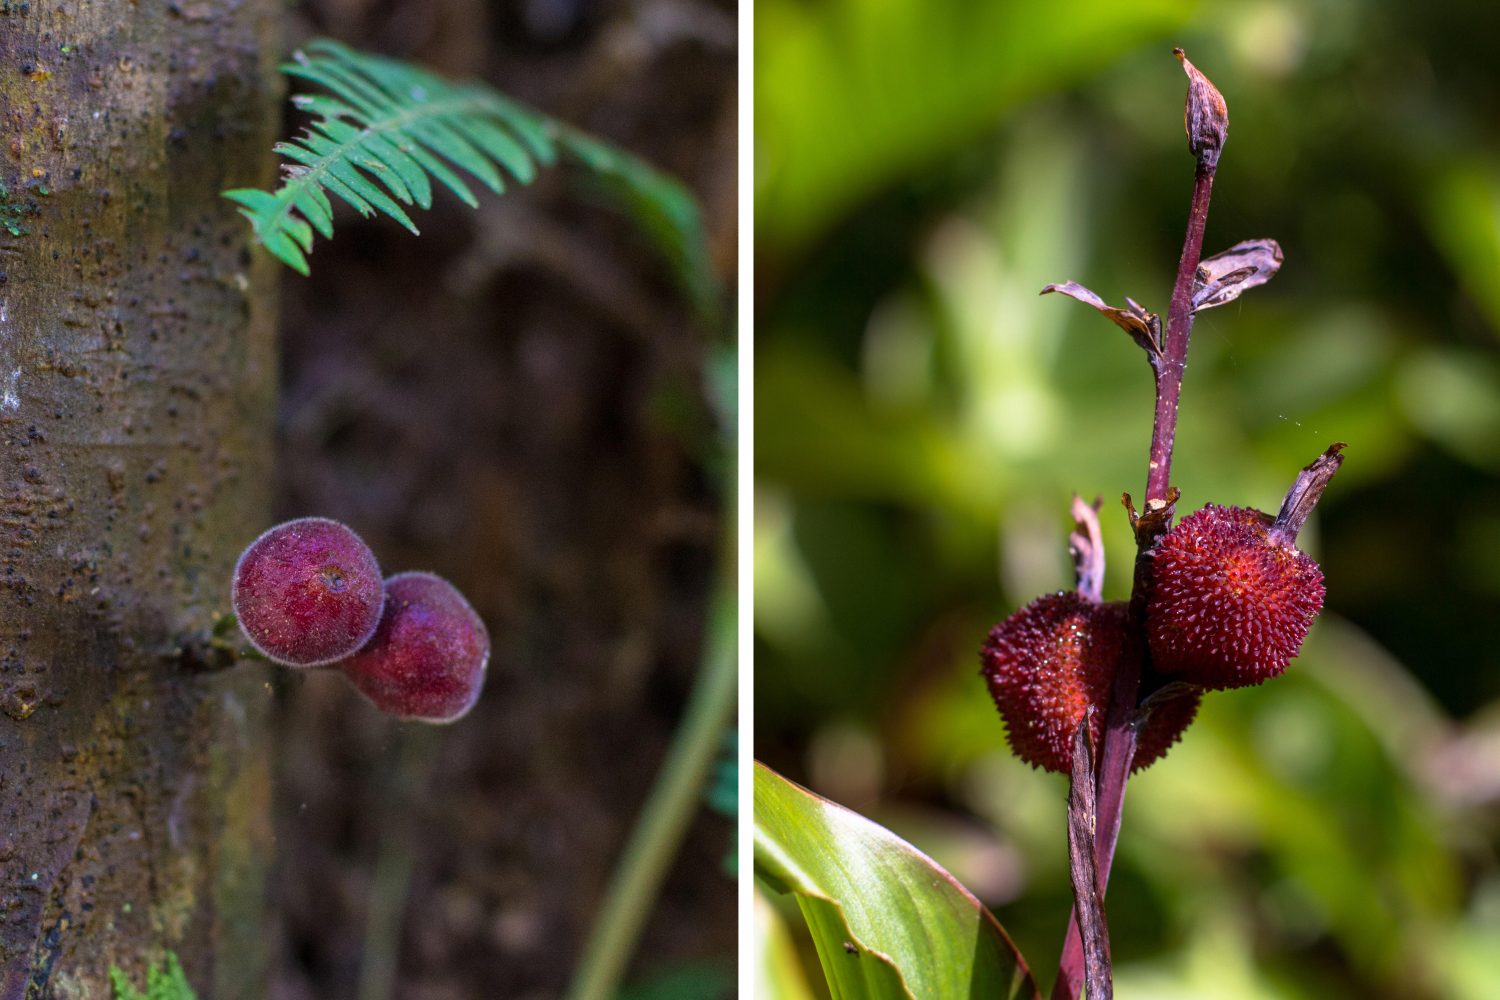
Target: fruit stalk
{"type": "Point", "coordinates": [1120, 724]}
{"type": "Point", "coordinates": [1088, 889]}
{"type": "Point", "coordinates": [1179, 328]}
{"type": "Point", "coordinates": [1123, 719]}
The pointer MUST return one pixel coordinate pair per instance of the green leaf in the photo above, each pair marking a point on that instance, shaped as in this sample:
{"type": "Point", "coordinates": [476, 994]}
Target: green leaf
{"type": "Point", "coordinates": [778, 969]}
{"type": "Point", "coordinates": [888, 922]}
{"type": "Point", "coordinates": [12, 212]}
{"type": "Point", "coordinates": [662, 207]}
{"type": "Point", "coordinates": [163, 982]}
{"type": "Point", "coordinates": [386, 129]}
{"type": "Point", "coordinates": [689, 981]}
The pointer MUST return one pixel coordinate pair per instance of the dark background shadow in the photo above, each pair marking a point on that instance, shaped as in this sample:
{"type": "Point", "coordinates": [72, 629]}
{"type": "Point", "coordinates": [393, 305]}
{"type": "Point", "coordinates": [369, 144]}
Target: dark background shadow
{"type": "Point", "coordinates": [512, 400]}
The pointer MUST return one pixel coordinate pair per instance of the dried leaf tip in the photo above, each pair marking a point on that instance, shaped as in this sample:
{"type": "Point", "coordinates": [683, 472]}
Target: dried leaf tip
{"type": "Point", "coordinates": [1205, 116]}
{"type": "Point", "coordinates": [1222, 277]}
{"type": "Point", "coordinates": [1306, 492]}
{"type": "Point", "coordinates": [1144, 327]}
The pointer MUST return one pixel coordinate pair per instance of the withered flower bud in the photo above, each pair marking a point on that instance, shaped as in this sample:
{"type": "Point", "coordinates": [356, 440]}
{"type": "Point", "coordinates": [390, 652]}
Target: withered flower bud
{"type": "Point", "coordinates": [1205, 116]}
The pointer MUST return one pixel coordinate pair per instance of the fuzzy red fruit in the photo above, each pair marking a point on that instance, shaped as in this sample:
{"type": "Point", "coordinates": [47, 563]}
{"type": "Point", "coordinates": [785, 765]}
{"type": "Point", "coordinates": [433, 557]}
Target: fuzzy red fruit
{"type": "Point", "coordinates": [428, 656]}
{"type": "Point", "coordinates": [307, 592]}
{"type": "Point", "coordinates": [1232, 598]}
{"type": "Point", "coordinates": [1050, 662]}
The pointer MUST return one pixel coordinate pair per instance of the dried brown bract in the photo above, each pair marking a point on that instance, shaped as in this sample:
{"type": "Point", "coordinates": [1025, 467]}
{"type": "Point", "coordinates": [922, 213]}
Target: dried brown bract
{"type": "Point", "coordinates": [1205, 116]}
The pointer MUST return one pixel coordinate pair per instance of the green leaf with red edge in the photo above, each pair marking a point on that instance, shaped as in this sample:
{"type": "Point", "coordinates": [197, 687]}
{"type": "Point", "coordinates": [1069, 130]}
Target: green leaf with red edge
{"type": "Point", "coordinates": [887, 920]}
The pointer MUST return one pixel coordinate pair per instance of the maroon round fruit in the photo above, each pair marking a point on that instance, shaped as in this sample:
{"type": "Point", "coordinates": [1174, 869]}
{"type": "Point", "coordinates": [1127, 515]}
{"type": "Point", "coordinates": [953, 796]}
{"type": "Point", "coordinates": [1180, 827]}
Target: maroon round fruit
{"type": "Point", "coordinates": [1231, 599]}
{"type": "Point", "coordinates": [1052, 661]}
{"type": "Point", "coordinates": [307, 592]}
{"type": "Point", "coordinates": [428, 656]}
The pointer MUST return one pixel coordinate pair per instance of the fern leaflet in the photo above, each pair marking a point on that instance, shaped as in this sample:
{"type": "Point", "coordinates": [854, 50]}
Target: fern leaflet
{"type": "Point", "coordinates": [385, 130]}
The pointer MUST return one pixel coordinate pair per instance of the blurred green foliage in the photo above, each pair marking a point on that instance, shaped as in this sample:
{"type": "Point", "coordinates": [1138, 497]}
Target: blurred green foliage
{"type": "Point", "coordinates": [695, 981]}
{"type": "Point", "coordinates": [922, 418]}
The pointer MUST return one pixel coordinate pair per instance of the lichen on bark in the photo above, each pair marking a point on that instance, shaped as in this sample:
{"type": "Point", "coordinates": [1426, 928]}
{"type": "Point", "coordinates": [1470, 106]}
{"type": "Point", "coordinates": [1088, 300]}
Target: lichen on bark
{"type": "Point", "coordinates": [137, 366]}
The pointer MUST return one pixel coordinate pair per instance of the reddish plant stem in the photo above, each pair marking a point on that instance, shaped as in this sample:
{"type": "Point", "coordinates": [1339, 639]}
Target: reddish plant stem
{"type": "Point", "coordinates": [1179, 328]}
{"type": "Point", "coordinates": [1088, 889]}
{"type": "Point", "coordinates": [1121, 725]}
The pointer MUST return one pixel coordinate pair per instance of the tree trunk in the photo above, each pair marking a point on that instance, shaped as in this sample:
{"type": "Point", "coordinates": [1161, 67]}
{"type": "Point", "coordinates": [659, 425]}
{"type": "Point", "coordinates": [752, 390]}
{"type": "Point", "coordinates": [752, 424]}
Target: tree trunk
{"type": "Point", "coordinates": [137, 367]}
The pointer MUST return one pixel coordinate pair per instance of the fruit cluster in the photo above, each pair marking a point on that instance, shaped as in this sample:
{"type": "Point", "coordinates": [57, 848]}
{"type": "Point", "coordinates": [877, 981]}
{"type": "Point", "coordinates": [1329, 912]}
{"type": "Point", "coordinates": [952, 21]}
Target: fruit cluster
{"type": "Point", "coordinates": [308, 593]}
{"type": "Point", "coordinates": [1228, 600]}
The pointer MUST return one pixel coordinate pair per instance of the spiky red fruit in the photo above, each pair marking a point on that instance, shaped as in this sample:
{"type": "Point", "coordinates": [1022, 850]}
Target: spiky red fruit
{"type": "Point", "coordinates": [307, 592]}
{"type": "Point", "coordinates": [1050, 662]}
{"type": "Point", "coordinates": [428, 656]}
{"type": "Point", "coordinates": [1232, 598]}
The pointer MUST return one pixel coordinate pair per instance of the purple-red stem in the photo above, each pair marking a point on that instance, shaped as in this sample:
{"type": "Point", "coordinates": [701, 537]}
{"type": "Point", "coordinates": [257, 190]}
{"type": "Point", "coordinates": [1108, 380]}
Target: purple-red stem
{"type": "Point", "coordinates": [1120, 726]}
{"type": "Point", "coordinates": [1179, 329]}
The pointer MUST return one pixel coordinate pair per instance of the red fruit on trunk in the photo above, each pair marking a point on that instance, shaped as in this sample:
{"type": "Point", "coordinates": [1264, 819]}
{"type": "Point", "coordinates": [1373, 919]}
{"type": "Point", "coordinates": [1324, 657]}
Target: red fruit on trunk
{"type": "Point", "coordinates": [1052, 661]}
{"type": "Point", "coordinates": [1232, 598]}
{"type": "Point", "coordinates": [427, 658]}
{"type": "Point", "coordinates": [307, 592]}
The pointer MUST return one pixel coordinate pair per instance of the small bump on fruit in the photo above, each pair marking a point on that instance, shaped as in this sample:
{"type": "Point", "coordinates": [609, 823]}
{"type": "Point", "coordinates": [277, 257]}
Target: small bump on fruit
{"type": "Point", "coordinates": [427, 658]}
{"type": "Point", "coordinates": [307, 592]}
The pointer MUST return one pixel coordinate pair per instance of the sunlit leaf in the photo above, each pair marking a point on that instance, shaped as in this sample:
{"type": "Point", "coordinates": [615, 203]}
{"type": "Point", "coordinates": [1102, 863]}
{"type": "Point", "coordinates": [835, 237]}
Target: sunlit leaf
{"type": "Point", "coordinates": [778, 974]}
{"type": "Point", "coordinates": [888, 922]}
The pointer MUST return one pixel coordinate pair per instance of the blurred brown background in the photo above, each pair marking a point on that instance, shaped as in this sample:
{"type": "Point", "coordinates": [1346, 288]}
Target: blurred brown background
{"type": "Point", "coordinates": [513, 400]}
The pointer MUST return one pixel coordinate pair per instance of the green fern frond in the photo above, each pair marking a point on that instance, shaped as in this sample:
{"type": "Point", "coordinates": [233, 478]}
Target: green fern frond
{"type": "Point", "coordinates": [385, 130]}
{"type": "Point", "coordinates": [662, 207]}
{"type": "Point", "coordinates": [163, 982]}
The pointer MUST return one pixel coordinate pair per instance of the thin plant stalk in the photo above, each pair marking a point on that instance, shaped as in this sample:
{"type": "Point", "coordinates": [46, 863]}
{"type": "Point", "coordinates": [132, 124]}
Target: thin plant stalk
{"type": "Point", "coordinates": [1179, 331]}
{"type": "Point", "coordinates": [390, 885]}
{"type": "Point", "coordinates": [664, 820]}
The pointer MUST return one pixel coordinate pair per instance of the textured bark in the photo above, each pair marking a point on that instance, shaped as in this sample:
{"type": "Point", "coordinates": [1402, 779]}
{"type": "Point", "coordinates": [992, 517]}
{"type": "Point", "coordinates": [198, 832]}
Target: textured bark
{"type": "Point", "coordinates": [137, 365]}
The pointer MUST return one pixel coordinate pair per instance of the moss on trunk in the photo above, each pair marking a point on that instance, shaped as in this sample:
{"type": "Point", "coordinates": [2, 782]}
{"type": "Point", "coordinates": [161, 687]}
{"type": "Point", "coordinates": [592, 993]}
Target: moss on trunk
{"type": "Point", "coordinates": [137, 367]}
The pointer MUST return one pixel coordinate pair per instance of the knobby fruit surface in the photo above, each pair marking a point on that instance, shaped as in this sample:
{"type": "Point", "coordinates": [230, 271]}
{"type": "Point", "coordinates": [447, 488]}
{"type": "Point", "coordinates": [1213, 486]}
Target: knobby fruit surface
{"type": "Point", "coordinates": [428, 656]}
{"type": "Point", "coordinates": [1231, 599]}
{"type": "Point", "coordinates": [1051, 662]}
{"type": "Point", "coordinates": [307, 592]}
